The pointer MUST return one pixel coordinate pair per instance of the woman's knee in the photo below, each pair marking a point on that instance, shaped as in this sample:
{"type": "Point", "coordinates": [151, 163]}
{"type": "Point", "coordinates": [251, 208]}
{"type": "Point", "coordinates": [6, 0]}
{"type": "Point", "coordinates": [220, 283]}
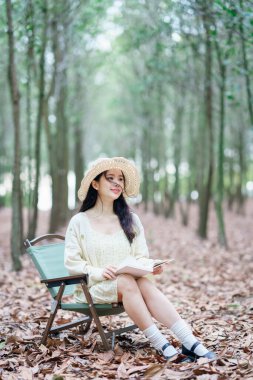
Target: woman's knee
{"type": "Point", "coordinates": [126, 283]}
{"type": "Point", "coordinates": [145, 285]}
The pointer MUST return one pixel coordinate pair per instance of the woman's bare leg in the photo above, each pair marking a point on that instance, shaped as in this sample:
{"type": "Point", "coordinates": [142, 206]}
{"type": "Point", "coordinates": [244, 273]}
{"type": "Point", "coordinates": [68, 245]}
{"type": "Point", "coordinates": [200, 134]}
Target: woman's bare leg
{"type": "Point", "coordinates": [158, 305]}
{"type": "Point", "coordinates": [136, 308]}
{"type": "Point", "coordinates": [129, 293]}
{"type": "Point", "coordinates": [163, 311]}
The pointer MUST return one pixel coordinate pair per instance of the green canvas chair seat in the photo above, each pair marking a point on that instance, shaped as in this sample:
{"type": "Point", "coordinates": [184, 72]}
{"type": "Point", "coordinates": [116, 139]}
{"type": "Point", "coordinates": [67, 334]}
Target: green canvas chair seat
{"type": "Point", "coordinates": [49, 261]}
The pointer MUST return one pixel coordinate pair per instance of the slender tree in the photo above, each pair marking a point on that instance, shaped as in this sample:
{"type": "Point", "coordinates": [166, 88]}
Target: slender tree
{"type": "Point", "coordinates": [206, 189]}
{"type": "Point", "coordinates": [31, 69]}
{"type": "Point", "coordinates": [223, 59]}
{"type": "Point", "coordinates": [245, 63]}
{"type": "Point", "coordinates": [17, 220]}
{"type": "Point", "coordinates": [59, 211]}
{"type": "Point", "coordinates": [41, 97]}
{"type": "Point", "coordinates": [79, 135]}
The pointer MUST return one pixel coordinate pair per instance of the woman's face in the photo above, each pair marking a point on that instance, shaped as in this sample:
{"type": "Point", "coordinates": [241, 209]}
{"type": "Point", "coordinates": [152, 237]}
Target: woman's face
{"type": "Point", "coordinates": [110, 185]}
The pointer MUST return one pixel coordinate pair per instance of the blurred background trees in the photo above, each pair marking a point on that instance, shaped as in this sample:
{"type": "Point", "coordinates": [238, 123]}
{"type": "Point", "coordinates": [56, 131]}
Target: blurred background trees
{"type": "Point", "coordinates": [165, 83]}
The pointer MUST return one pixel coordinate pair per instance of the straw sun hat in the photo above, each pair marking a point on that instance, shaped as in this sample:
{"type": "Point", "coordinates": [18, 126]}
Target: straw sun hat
{"type": "Point", "coordinates": [132, 178]}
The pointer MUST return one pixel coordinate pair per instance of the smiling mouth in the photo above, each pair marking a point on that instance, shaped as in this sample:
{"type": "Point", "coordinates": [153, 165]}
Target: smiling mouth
{"type": "Point", "coordinates": [115, 190]}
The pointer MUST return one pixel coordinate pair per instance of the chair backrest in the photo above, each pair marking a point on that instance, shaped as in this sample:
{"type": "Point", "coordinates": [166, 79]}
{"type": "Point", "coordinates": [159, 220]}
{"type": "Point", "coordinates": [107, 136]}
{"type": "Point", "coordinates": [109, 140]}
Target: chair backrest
{"type": "Point", "coordinates": [49, 261]}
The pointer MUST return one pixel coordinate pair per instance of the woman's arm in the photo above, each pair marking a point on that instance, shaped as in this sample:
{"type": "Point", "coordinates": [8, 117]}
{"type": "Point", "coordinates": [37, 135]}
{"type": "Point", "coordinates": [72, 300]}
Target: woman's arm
{"type": "Point", "coordinates": [140, 249]}
{"type": "Point", "coordinates": [74, 257]}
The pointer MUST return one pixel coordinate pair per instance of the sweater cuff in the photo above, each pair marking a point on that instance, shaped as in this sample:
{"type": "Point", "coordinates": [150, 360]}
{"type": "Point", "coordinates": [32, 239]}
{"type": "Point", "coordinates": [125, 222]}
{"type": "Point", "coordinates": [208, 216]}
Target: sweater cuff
{"type": "Point", "coordinates": [96, 274]}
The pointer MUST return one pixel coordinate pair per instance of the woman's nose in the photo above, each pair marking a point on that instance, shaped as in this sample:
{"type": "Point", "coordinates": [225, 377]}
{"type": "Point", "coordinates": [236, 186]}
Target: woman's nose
{"type": "Point", "coordinates": [116, 184]}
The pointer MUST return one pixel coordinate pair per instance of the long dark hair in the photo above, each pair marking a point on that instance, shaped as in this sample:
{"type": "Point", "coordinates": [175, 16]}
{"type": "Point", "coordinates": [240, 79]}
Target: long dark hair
{"type": "Point", "coordinates": [120, 208]}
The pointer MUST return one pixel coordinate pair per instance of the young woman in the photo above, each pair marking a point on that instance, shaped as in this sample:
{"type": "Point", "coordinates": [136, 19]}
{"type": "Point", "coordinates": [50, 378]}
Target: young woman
{"type": "Point", "coordinates": [105, 232]}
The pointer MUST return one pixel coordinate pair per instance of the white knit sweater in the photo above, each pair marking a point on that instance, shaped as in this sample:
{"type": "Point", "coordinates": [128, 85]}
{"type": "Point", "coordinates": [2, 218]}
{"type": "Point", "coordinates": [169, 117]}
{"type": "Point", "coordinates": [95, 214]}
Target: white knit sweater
{"type": "Point", "coordinates": [90, 251]}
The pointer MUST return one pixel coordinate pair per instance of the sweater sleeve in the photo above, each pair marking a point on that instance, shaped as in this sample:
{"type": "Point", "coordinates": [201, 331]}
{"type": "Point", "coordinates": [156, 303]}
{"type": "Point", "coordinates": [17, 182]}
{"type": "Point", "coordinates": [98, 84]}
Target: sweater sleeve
{"type": "Point", "coordinates": [75, 257]}
{"type": "Point", "coordinates": [140, 249]}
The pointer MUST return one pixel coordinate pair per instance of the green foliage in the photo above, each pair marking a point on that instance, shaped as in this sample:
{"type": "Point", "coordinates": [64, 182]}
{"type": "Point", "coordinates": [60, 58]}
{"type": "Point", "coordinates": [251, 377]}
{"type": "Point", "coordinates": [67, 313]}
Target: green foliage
{"type": "Point", "coordinates": [135, 80]}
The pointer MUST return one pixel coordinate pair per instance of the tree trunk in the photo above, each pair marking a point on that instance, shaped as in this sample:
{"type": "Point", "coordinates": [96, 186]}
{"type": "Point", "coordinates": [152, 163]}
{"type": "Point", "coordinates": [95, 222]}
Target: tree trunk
{"type": "Point", "coordinates": [17, 220]}
{"type": "Point", "coordinates": [37, 155]}
{"type": "Point", "coordinates": [246, 67]}
{"type": "Point", "coordinates": [177, 154]}
{"type": "Point", "coordinates": [191, 156]}
{"type": "Point", "coordinates": [78, 157]}
{"type": "Point", "coordinates": [79, 163]}
{"type": "Point", "coordinates": [220, 184]}
{"type": "Point", "coordinates": [207, 185]}
{"type": "Point", "coordinates": [158, 144]}
{"type": "Point", "coordinates": [231, 185]}
{"type": "Point", "coordinates": [5, 125]}
{"type": "Point", "coordinates": [30, 65]}
{"type": "Point", "coordinates": [59, 211]}
{"type": "Point", "coordinates": [239, 194]}
{"type": "Point", "coordinates": [184, 208]}
{"type": "Point", "coordinates": [145, 168]}
{"type": "Point", "coordinates": [51, 143]}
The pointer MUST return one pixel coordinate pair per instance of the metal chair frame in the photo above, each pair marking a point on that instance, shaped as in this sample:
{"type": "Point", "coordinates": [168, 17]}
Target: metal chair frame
{"type": "Point", "coordinates": [91, 310]}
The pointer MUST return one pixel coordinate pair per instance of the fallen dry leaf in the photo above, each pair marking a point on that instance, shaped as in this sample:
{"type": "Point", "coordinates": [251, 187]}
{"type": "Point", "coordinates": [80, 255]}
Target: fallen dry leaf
{"type": "Point", "coordinates": [25, 373]}
{"type": "Point", "coordinates": [122, 371]}
{"type": "Point", "coordinates": [153, 369]}
{"type": "Point", "coordinates": [211, 287]}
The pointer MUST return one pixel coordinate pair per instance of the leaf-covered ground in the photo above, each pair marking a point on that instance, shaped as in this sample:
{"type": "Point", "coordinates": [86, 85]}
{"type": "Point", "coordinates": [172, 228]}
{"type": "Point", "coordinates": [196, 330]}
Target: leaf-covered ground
{"type": "Point", "coordinates": [211, 287]}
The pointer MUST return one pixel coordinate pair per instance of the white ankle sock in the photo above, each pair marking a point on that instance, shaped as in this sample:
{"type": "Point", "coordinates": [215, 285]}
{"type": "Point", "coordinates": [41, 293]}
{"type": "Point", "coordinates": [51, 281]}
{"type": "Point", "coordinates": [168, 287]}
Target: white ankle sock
{"type": "Point", "coordinates": [158, 340]}
{"type": "Point", "coordinates": [185, 335]}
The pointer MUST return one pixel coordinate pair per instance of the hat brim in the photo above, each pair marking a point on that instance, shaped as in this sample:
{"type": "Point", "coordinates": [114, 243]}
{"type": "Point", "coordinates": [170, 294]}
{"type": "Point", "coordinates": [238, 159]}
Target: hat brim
{"type": "Point", "coordinates": [132, 178]}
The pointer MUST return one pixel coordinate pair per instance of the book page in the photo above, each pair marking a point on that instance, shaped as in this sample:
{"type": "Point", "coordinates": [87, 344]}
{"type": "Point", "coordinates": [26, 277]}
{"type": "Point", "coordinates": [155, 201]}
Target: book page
{"type": "Point", "coordinates": [137, 269]}
{"type": "Point", "coordinates": [135, 272]}
{"type": "Point", "coordinates": [131, 266]}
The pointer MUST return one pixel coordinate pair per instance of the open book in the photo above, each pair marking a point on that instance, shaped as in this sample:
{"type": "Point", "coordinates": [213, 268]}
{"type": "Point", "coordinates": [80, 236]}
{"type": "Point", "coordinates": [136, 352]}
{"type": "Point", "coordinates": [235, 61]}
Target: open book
{"type": "Point", "coordinates": [136, 268]}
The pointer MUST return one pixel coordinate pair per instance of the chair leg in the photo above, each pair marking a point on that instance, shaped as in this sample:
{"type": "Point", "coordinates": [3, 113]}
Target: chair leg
{"type": "Point", "coordinates": [54, 308]}
{"type": "Point", "coordinates": [95, 316]}
{"type": "Point", "coordinates": [79, 322]}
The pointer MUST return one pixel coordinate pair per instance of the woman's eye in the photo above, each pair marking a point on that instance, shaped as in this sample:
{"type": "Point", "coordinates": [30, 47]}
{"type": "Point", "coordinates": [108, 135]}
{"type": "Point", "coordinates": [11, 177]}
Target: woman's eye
{"type": "Point", "coordinates": [113, 179]}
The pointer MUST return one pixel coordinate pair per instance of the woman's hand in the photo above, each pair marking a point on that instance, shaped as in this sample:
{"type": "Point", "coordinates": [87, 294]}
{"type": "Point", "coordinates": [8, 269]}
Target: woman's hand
{"type": "Point", "coordinates": [109, 272]}
{"type": "Point", "coordinates": [158, 270]}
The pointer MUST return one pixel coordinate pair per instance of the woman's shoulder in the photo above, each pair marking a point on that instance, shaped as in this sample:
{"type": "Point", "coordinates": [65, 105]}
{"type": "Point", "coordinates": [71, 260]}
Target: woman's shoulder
{"type": "Point", "coordinates": [136, 219]}
{"type": "Point", "coordinates": [135, 216]}
{"type": "Point", "coordinates": [77, 219]}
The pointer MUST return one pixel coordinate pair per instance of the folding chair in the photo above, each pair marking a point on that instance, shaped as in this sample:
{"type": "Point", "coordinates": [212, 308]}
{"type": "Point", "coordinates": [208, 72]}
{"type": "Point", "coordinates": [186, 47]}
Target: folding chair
{"type": "Point", "coordinates": [49, 261]}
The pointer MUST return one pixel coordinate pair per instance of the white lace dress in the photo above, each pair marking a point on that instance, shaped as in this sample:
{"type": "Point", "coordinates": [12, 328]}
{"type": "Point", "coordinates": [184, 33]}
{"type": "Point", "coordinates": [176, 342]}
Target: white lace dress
{"type": "Point", "coordinates": [89, 251]}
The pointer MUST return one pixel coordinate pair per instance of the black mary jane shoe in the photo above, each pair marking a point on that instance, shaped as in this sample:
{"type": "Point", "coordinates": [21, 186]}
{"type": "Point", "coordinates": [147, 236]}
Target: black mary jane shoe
{"type": "Point", "coordinates": [177, 358]}
{"type": "Point", "coordinates": [191, 354]}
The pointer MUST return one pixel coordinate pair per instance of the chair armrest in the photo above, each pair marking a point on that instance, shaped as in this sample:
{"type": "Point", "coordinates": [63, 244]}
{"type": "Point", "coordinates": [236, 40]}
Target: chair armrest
{"type": "Point", "coordinates": [28, 243]}
{"type": "Point", "coordinates": [67, 280]}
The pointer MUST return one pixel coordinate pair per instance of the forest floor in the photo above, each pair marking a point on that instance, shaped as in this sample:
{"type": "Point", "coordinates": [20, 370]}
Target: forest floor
{"type": "Point", "coordinates": [211, 287]}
